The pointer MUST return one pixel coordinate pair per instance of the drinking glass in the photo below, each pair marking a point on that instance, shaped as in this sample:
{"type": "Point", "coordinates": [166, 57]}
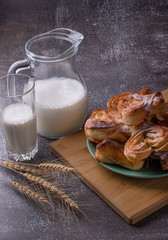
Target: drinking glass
{"type": "Point", "coordinates": [18, 116]}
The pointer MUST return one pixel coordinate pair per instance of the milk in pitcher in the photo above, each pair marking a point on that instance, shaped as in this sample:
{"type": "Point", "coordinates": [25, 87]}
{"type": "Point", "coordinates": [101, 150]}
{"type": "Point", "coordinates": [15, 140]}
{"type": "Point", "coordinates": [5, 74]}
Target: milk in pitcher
{"type": "Point", "coordinates": [61, 106]}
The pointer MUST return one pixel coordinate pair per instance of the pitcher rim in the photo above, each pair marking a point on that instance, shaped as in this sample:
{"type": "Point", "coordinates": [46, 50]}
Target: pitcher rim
{"type": "Point", "coordinates": [72, 49]}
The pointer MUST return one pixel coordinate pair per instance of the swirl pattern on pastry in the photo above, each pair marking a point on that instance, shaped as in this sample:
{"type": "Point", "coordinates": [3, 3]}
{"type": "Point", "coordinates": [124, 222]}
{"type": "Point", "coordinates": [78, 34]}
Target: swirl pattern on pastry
{"type": "Point", "coordinates": [135, 107]}
{"type": "Point", "coordinates": [146, 138]}
{"type": "Point", "coordinates": [104, 124]}
{"type": "Point", "coordinates": [112, 152]}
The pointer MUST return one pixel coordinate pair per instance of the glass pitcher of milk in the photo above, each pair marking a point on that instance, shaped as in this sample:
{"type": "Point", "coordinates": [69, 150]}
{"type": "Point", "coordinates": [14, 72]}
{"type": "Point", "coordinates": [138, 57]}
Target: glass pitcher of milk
{"type": "Point", "coordinates": [60, 91]}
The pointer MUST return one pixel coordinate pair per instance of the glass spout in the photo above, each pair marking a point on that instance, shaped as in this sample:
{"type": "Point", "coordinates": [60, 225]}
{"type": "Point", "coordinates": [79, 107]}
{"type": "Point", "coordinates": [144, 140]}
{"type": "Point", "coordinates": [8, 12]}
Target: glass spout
{"type": "Point", "coordinates": [75, 37]}
{"type": "Point", "coordinates": [61, 44]}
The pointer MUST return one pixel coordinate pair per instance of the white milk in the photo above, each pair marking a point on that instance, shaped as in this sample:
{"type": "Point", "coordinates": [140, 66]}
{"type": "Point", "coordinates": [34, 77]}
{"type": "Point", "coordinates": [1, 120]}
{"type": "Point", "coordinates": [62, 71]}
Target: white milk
{"type": "Point", "coordinates": [61, 106]}
{"type": "Point", "coordinates": [19, 128]}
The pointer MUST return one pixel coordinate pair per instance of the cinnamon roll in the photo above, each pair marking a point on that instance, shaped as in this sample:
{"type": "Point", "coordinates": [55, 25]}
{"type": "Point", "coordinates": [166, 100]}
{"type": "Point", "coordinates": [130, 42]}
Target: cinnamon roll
{"type": "Point", "coordinates": [104, 124]}
{"type": "Point", "coordinates": [112, 152]}
{"type": "Point", "coordinates": [135, 107]}
{"type": "Point", "coordinates": [146, 138]}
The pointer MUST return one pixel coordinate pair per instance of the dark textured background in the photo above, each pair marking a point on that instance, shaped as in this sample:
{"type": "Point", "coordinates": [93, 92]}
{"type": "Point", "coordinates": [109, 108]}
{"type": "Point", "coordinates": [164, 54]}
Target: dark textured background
{"type": "Point", "coordinates": [125, 48]}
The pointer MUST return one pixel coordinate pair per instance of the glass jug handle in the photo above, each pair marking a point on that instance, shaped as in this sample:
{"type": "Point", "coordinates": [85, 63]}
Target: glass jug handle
{"type": "Point", "coordinates": [19, 66]}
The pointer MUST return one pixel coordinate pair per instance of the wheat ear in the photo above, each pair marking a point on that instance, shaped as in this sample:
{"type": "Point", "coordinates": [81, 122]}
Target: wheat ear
{"type": "Point", "coordinates": [54, 166]}
{"type": "Point", "coordinates": [26, 190]}
{"type": "Point", "coordinates": [21, 167]}
{"type": "Point", "coordinates": [52, 189]}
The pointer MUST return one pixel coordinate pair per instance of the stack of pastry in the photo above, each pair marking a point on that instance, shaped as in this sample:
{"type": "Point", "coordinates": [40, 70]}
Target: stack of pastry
{"type": "Point", "coordinates": [134, 128]}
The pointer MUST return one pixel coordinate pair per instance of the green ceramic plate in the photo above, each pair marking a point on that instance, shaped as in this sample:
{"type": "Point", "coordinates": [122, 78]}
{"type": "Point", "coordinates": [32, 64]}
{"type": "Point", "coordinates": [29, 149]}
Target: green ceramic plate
{"type": "Point", "coordinates": [153, 171]}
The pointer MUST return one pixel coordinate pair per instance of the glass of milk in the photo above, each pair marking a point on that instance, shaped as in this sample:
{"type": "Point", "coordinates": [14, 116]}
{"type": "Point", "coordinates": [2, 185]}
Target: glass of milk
{"type": "Point", "coordinates": [18, 117]}
{"type": "Point", "coordinates": [61, 93]}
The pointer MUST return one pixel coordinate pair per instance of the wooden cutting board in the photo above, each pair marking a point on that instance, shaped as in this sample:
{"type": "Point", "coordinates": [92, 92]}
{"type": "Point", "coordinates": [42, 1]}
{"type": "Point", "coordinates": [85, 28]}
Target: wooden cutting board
{"type": "Point", "coordinates": [132, 198]}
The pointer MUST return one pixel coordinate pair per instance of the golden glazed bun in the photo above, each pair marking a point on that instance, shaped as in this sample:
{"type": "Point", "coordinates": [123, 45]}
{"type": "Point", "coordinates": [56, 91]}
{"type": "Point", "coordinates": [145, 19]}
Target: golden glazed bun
{"type": "Point", "coordinates": [104, 124]}
{"type": "Point", "coordinates": [135, 107]}
{"type": "Point", "coordinates": [112, 152]}
{"type": "Point", "coordinates": [146, 138]}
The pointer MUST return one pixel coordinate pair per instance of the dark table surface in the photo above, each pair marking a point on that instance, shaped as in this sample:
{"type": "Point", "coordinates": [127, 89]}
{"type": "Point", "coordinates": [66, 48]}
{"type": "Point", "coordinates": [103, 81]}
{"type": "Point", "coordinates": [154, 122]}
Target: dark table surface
{"type": "Point", "coordinates": [125, 48]}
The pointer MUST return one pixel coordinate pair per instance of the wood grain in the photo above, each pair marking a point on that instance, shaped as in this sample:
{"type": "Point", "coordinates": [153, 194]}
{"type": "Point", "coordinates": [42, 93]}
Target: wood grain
{"type": "Point", "coordinates": [133, 199]}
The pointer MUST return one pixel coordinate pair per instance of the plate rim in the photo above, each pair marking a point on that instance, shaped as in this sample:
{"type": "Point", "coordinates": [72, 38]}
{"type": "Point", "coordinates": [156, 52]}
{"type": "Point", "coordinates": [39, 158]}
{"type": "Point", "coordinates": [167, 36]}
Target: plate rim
{"type": "Point", "coordinates": [126, 172]}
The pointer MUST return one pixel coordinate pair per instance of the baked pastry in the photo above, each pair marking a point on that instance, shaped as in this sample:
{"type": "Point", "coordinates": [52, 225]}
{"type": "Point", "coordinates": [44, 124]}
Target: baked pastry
{"type": "Point", "coordinates": [138, 119]}
{"type": "Point", "coordinates": [112, 152]}
{"type": "Point", "coordinates": [146, 138]}
{"type": "Point", "coordinates": [104, 124]}
{"type": "Point", "coordinates": [161, 118]}
{"type": "Point", "coordinates": [135, 107]}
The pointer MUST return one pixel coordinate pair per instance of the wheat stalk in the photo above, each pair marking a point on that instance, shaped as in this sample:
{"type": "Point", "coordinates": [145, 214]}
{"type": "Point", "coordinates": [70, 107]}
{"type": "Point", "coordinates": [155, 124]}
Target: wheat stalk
{"type": "Point", "coordinates": [52, 189]}
{"type": "Point", "coordinates": [26, 190]}
{"type": "Point", "coordinates": [21, 167]}
{"type": "Point", "coordinates": [54, 166]}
